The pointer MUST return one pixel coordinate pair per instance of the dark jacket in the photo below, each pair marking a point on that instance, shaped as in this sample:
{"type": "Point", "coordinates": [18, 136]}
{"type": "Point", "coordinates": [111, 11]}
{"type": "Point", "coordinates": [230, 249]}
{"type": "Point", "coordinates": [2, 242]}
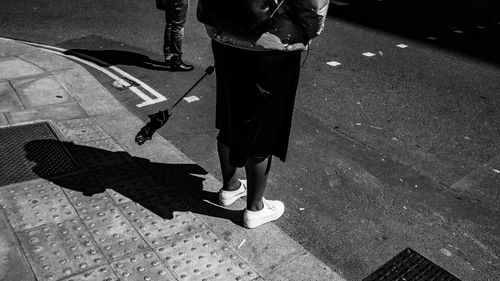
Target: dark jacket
{"type": "Point", "coordinates": [293, 26]}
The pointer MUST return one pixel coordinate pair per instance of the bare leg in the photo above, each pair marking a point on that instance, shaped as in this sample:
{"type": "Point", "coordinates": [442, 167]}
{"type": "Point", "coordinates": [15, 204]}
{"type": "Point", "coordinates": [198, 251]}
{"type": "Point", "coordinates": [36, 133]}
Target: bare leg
{"type": "Point", "coordinates": [229, 179]}
{"type": "Point", "coordinates": [257, 170]}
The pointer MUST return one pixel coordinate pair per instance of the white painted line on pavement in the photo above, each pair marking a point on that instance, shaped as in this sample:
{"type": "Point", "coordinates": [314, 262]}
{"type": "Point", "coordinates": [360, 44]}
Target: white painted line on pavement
{"type": "Point", "coordinates": [147, 100]}
{"type": "Point", "coordinates": [333, 63]}
{"type": "Point", "coordinates": [368, 54]}
{"type": "Point", "coordinates": [402, 46]}
{"type": "Point", "coordinates": [458, 31]}
{"type": "Point", "coordinates": [191, 99]}
{"type": "Point", "coordinates": [431, 38]}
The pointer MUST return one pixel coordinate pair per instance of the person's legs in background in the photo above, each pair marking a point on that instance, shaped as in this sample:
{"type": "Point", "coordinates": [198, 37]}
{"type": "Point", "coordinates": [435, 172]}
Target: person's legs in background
{"type": "Point", "coordinates": [175, 20]}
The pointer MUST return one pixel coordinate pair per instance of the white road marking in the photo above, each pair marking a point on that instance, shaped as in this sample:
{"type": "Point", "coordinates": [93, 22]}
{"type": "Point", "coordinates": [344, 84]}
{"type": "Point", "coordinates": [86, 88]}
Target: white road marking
{"type": "Point", "coordinates": [402, 46]}
{"type": "Point", "coordinates": [147, 100]}
{"type": "Point", "coordinates": [431, 38]}
{"type": "Point", "coordinates": [333, 63]}
{"type": "Point", "coordinates": [191, 99]}
{"type": "Point", "coordinates": [368, 54]}
{"type": "Point", "coordinates": [458, 31]}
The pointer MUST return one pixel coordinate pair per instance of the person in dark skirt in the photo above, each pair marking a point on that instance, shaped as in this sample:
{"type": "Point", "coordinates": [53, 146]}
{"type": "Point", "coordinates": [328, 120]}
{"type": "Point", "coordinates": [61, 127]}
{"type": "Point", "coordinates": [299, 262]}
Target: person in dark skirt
{"type": "Point", "coordinates": [256, 83]}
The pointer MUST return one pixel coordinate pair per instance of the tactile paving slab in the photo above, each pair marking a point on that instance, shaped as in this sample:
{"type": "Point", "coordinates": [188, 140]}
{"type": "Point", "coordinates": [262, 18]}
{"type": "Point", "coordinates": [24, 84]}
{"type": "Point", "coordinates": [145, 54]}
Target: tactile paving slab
{"type": "Point", "coordinates": [85, 204]}
{"type": "Point", "coordinates": [35, 203]}
{"type": "Point", "coordinates": [114, 234]}
{"type": "Point", "coordinates": [100, 154]}
{"type": "Point", "coordinates": [85, 183]}
{"type": "Point", "coordinates": [409, 265]}
{"type": "Point", "coordinates": [203, 256]}
{"type": "Point", "coordinates": [159, 224]}
{"type": "Point", "coordinates": [85, 193]}
{"type": "Point", "coordinates": [80, 130]}
{"type": "Point", "coordinates": [142, 266]}
{"type": "Point", "coordinates": [102, 273]}
{"type": "Point", "coordinates": [58, 250]}
{"type": "Point", "coordinates": [129, 182]}
{"type": "Point", "coordinates": [32, 151]}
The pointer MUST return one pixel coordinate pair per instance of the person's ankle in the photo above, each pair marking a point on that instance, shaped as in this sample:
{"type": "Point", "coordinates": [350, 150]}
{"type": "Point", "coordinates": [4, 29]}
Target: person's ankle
{"type": "Point", "coordinates": [255, 207]}
{"type": "Point", "coordinates": [232, 187]}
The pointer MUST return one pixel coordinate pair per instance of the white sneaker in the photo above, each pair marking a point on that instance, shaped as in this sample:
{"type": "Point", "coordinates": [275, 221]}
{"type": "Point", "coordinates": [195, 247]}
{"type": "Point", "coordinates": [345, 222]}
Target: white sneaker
{"type": "Point", "coordinates": [272, 211]}
{"type": "Point", "coordinates": [227, 198]}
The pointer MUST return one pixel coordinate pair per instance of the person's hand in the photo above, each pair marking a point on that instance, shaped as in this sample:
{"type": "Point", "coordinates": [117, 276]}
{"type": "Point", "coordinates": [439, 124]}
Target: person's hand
{"type": "Point", "coordinates": [270, 41]}
{"type": "Point", "coordinates": [295, 47]}
{"type": "Point", "coordinates": [273, 42]}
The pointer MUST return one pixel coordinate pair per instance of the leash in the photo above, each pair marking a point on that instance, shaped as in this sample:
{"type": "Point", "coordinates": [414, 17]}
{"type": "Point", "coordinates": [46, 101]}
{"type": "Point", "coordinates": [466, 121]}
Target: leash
{"type": "Point", "coordinates": [159, 119]}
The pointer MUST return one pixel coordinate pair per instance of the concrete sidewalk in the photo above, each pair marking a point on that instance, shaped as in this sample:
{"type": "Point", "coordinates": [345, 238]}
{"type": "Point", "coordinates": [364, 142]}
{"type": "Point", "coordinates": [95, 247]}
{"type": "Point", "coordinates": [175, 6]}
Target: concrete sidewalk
{"type": "Point", "coordinates": [122, 212]}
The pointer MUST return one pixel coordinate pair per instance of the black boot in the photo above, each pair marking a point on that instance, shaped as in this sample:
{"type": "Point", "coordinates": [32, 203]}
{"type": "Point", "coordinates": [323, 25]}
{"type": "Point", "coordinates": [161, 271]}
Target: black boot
{"type": "Point", "coordinates": [176, 64]}
{"type": "Point", "coordinates": [168, 59]}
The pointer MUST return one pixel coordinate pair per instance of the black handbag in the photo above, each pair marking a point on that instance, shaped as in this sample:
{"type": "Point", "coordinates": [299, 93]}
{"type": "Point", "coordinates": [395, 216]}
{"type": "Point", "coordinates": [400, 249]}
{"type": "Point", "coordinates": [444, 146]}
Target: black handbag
{"type": "Point", "coordinates": [247, 17]}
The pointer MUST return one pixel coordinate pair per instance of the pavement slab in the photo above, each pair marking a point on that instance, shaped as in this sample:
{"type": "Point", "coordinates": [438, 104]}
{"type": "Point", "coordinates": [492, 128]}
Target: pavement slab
{"type": "Point", "coordinates": [304, 268]}
{"type": "Point", "coordinates": [158, 223]}
{"type": "Point", "coordinates": [13, 263]}
{"type": "Point", "coordinates": [9, 101]}
{"type": "Point", "coordinates": [80, 131]}
{"type": "Point", "coordinates": [102, 273]}
{"type": "Point", "coordinates": [114, 234]}
{"type": "Point", "coordinates": [142, 266]}
{"type": "Point", "coordinates": [47, 60]}
{"type": "Point", "coordinates": [3, 120]}
{"type": "Point", "coordinates": [41, 90]}
{"type": "Point", "coordinates": [57, 250]}
{"type": "Point", "coordinates": [34, 204]}
{"type": "Point", "coordinates": [44, 113]}
{"type": "Point", "coordinates": [12, 67]}
{"type": "Point", "coordinates": [204, 256]}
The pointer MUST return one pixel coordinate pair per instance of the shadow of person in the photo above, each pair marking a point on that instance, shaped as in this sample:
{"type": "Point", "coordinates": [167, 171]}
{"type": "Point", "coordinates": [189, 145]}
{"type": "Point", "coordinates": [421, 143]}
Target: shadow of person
{"type": "Point", "coordinates": [106, 58]}
{"type": "Point", "coordinates": [159, 187]}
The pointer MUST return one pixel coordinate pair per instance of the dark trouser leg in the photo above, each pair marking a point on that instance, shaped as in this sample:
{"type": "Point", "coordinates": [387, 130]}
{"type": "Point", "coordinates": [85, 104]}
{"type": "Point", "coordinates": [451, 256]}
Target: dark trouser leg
{"type": "Point", "coordinates": [175, 20]}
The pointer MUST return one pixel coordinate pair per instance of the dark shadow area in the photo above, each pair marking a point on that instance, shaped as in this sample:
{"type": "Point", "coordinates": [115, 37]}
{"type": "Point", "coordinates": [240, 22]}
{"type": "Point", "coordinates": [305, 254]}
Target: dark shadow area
{"type": "Point", "coordinates": [468, 27]}
{"type": "Point", "coordinates": [158, 187]}
{"type": "Point", "coordinates": [106, 58]}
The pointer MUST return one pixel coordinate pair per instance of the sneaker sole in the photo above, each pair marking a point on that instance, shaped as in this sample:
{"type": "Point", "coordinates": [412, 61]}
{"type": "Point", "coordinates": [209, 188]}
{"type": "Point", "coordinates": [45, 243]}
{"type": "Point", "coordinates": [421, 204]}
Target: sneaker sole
{"type": "Point", "coordinates": [254, 223]}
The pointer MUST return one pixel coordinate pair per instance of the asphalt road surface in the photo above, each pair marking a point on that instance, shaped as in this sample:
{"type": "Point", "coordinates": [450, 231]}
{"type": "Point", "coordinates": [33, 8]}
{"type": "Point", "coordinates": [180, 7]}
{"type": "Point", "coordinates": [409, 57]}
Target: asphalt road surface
{"type": "Point", "coordinates": [396, 133]}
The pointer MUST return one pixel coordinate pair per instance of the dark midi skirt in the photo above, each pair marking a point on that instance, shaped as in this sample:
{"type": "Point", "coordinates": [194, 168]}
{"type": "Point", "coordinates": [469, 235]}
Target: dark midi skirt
{"type": "Point", "coordinates": [255, 100]}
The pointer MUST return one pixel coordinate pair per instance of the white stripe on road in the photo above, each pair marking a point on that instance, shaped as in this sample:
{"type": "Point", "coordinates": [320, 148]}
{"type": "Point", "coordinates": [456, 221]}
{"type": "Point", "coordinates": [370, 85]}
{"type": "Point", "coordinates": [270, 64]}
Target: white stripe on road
{"type": "Point", "coordinates": [147, 100]}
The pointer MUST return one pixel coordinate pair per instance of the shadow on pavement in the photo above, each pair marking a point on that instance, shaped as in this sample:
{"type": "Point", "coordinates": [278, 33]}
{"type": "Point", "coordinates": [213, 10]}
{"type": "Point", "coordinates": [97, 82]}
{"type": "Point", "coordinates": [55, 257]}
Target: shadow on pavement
{"type": "Point", "coordinates": [106, 58]}
{"type": "Point", "coordinates": [468, 27]}
{"type": "Point", "coordinates": [161, 188]}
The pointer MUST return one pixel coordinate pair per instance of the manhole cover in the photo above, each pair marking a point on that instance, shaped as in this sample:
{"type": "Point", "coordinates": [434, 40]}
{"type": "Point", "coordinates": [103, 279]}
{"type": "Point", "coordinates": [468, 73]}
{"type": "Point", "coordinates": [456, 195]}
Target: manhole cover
{"type": "Point", "coordinates": [410, 266]}
{"type": "Point", "coordinates": [32, 151]}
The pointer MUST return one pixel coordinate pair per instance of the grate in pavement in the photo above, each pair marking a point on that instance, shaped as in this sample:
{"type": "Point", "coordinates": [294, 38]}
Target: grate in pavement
{"type": "Point", "coordinates": [32, 151]}
{"type": "Point", "coordinates": [410, 266]}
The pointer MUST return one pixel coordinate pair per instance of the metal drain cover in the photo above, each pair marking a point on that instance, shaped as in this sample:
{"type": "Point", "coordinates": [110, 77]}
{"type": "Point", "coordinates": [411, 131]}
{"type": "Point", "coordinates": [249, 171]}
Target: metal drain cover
{"type": "Point", "coordinates": [32, 151]}
{"type": "Point", "coordinates": [410, 266]}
